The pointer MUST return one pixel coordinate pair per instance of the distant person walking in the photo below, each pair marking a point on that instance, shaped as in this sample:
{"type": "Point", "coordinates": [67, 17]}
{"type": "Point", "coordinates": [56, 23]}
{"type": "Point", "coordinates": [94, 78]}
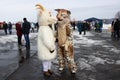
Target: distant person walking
{"type": "Point", "coordinates": [117, 29]}
{"type": "Point", "coordinates": [10, 27]}
{"type": "Point", "coordinates": [26, 30]}
{"type": "Point", "coordinates": [5, 26]}
{"type": "Point", "coordinates": [101, 26]}
{"type": "Point", "coordinates": [32, 27]}
{"type": "Point", "coordinates": [37, 26]}
{"type": "Point", "coordinates": [19, 33]}
{"type": "Point", "coordinates": [112, 28]}
{"type": "Point", "coordinates": [97, 26]}
{"type": "Point", "coordinates": [79, 26]}
{"type": "Point", "coordinates": [73, 24]}
{"type": "Point", "coordinates": [85, 26]}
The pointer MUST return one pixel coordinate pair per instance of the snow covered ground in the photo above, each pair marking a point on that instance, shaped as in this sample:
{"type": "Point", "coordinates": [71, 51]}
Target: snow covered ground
{"type": "Point", "coordinates": [13, 38]}
{"type": "Point", "coordinates": [94, 56]}
{"type": "Point", "coordinates": [82, 40]}
{"type": "Point", "coordinates": [93, 52]}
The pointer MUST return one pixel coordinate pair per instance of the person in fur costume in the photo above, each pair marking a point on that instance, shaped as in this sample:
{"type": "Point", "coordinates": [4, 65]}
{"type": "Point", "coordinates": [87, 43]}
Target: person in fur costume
{"type": "Point", "coordinates": [46, 39]}
{"type": "Point", "coordinates": [65, 43]}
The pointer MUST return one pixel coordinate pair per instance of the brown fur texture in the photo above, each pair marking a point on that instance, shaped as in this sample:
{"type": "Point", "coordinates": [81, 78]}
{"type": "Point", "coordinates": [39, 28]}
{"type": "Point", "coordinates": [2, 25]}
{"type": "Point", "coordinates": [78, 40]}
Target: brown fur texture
{"type": "Point", "coordinates": [65, 43]}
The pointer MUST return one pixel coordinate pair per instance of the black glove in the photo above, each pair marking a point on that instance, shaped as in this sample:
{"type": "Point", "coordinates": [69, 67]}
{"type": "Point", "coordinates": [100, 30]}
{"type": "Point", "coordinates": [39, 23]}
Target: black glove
{"type": "Point", "coordinates": [52, 51]}
{"type": "Point", "coordinates": [56, 40]}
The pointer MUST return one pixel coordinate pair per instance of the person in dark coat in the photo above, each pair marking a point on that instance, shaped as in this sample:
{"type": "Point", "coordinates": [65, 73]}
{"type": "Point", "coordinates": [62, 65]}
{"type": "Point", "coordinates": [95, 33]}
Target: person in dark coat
{"type": "Point", "coordinates": [117, 29]}
{"type": "Point", "coordinates": [19, 33]}
{"type": "Point", "coordinates": [85, 26]}
{"type": "Point", "coordinates": [79, 26]}
{"type": "Point", "coordinates": [73, 24]}
{"type": "Point", "coordinates": [5, 26]}
{"type": "Point", "coordinates": [101, 26]}
{"type": "Point", "coordinates": [112, 28]}
{"type": "Point", "coordinates": [10, 27]}
{"type": "Point", "coordinates": [26, 30]}
{"type": "Point", "coordinates": [37, 26]}
{"type": "Point", "coordinates": [97, 26]}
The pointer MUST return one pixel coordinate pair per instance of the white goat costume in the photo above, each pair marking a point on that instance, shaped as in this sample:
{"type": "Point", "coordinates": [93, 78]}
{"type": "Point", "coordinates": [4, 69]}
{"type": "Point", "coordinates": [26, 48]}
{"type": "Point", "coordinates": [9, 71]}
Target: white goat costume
{"type": "Point", "coordinates": [46, 39]}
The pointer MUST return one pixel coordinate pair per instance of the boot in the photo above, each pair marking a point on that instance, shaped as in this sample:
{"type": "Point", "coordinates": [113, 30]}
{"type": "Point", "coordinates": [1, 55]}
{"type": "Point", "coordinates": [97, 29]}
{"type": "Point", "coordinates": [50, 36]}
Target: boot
{"type": "Point", "coordinates": [73, 68]}
{"type": "Point", "coordinates": [61, 66]}
{"type": "Point", "coordinates": [46, 73]}
{"type": "Point", "coordinates": [50, 71]}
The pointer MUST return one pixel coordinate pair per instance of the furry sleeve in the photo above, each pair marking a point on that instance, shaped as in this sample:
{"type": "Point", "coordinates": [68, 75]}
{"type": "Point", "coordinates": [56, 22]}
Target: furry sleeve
{"type": "Point", "coordinates": [48, 38]}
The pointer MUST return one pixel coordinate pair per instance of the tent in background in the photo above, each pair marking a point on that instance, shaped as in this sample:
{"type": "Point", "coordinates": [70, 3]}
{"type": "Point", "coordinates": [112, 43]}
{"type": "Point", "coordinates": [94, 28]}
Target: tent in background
{"type": "Point", "coordinates": [92, 19]}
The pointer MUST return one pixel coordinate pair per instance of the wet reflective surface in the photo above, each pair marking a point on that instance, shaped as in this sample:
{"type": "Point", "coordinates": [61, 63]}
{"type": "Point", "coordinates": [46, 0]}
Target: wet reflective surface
{"type": "Point", "coordinates": [96, 55]}
{"type": "Point", "coordinates": [11, 57]}
{"type": "Point", "coordinates": [8, 63]}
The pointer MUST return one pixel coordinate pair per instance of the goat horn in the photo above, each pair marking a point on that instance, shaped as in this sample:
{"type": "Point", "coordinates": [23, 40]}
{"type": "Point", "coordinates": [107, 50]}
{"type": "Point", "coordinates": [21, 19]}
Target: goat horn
{"type": "Point", "coordinates": [40, 7]}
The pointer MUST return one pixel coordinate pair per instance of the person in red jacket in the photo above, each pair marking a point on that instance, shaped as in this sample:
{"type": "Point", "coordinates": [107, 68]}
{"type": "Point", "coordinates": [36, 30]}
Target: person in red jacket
{"type": "Point", "coordinates": [19, 33]}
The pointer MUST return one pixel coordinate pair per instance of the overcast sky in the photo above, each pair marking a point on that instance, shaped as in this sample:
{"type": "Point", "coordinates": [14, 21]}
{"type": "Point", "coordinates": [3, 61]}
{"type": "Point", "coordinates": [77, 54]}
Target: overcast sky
{"type": "Point", "coordinates": [15, 10]}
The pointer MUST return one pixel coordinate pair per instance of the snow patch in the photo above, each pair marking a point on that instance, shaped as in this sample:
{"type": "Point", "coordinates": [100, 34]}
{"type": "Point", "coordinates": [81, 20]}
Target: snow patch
{"type": "Point", "coordinates": [83, 65]}
{"type": "Point", "coordinates": [87, 42]}
{"type": "Point", "coordinates": [115, 50]}
{"type": "Point", "coordinates": [93, 60]}
{"type": "Point", "coordinates": [118, 62]}
{"type": "Point", "coordinates": [13, 38]}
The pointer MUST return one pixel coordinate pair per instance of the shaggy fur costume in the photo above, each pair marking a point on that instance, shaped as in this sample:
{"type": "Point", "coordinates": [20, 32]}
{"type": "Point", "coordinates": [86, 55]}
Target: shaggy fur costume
{"type": "Point", "coordinates": [65, 43]}
{"type": "Point", "coordinates": [46, 39]}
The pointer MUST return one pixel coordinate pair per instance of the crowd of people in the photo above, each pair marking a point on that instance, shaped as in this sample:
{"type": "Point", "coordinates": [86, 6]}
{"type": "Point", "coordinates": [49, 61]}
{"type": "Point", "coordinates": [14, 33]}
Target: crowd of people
{"type": "Point", "coordinates": [84, 26]}
{"type": "Point", "coordinates": [97, 26]}
{"type": "Point", "coordinates": [7, 27]}
{"type": "Point", "coordinates": [22, 29]}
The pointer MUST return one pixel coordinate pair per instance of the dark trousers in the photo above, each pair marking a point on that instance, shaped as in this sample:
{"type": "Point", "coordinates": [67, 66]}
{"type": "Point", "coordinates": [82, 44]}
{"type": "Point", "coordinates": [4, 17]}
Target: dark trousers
{"type": "Point", "coordinates": [10, 31]}
{"type": "Point", "coordinates": [116, 33]}
{"type": "Point", "coordinates": [19, 40]}
{"type": "Point", "coordinates": [83, 31]}
{"type": "Point", "coordinates": [5, 31]}
{"type": "Point", "coordinates": [27, 40]}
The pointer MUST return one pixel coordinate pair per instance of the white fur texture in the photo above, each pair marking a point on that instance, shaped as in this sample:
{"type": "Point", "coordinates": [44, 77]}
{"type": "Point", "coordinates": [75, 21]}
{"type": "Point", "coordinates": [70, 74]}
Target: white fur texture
{"type": "Point", "coordinates": [46, 42]}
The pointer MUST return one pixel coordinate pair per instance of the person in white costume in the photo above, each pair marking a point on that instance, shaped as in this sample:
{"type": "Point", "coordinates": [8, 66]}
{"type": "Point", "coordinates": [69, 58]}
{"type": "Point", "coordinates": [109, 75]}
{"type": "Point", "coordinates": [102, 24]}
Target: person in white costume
{"type": "Point", "coordinates": [46, 39]}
